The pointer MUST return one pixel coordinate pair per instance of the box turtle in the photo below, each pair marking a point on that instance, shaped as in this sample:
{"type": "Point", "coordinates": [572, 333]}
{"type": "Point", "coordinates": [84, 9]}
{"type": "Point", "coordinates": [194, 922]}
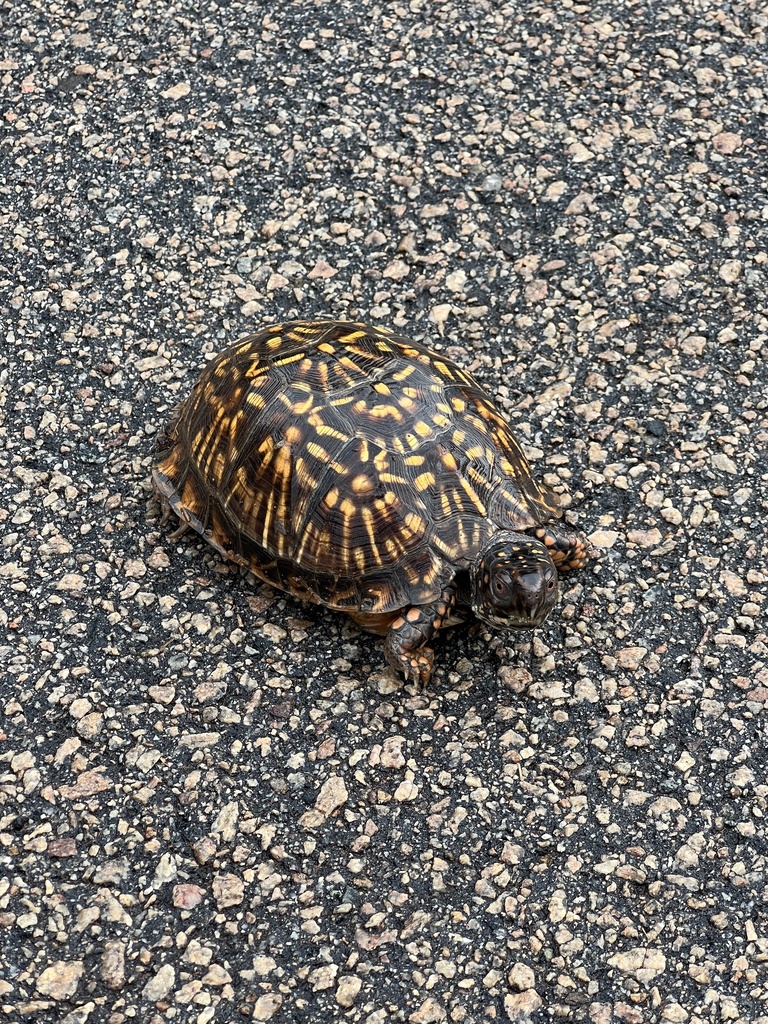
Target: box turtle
{"type": "Point", "coordinates": [354, 468]}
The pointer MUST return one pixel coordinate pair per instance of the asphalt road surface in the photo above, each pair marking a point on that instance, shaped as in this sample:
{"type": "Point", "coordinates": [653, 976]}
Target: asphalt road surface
{"type": "Point", "coordinates": [216, 803]}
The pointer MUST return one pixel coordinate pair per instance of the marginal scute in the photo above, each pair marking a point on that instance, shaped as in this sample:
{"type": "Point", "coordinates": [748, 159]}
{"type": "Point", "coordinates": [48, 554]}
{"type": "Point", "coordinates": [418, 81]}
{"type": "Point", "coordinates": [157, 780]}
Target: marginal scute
{"type": "Point", "coordinates": [347, 465]}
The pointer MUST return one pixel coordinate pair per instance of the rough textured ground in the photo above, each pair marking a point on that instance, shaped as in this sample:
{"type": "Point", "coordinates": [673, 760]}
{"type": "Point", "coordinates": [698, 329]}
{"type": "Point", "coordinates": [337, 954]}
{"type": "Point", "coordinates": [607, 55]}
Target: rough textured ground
{"type": "Point", "coordinates": [215, 803]}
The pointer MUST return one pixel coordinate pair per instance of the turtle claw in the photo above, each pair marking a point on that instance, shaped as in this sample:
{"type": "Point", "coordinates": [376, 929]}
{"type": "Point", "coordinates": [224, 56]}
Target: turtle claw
{"type": "Point", "coordinates": [418, 669]}
{"type": "Point", "coordinates": [405, 644]}
{"type": "Point", "coordinates": [414, 666]}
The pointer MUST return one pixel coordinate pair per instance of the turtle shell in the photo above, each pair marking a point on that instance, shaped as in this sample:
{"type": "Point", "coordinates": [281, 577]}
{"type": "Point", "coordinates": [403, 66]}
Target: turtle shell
{"type": "Point", "coordinates": [346, 464]}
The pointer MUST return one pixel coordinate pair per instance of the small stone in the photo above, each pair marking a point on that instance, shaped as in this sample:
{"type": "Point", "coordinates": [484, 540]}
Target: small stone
{"type": "Point", "coordinates": [266, 1006]}
{"type": "Point", "coordinates": [199, 740]}
{"type": "Point", "coordinates": [198, 954]}
{"type": "Point", "coordinates": [228, 890]}
{"type": "Point", "coordinates": [406, 791]}
{"type": "Point", "coordinates": [162, 694]}
{"type": "Point", "coordinates": [730, 271]}
{"type": "Point", "coordinates": [88, 783]}
{"type": "Point", "coordinates": [644, 538]}
{"type": "Point", "coordinates": [150, 362]}
{"type": "Point", "coordinates": [204, 849]}
{"type": "Point", "coordinates": [166, 870]}
{"type": "Point", "coordinates": [579, 152]}
{"type": "Point", "coordinates": [348, 989]}
{"type": "Point", "coordinates": [687, 857]}
{"type": "Point", "coordinates": [80, 1014]}
{"type": "Point", "coordinates": [726, 142]}
{"type": "Point", "coordinates": [684, 762]}
{"type": "Point", "coordinates": [521, 1005]}
{"type": "Point", "coordinates": [187, 896]}
{"type": "Point", "coordinates": [674, 1013]}
{"type": "Point", "coordinates": [536, 290]}
{"type": "Point", "coordinates": [64, 847]}
{"type": "Point", "coordinates": [113, 964]}
{"type": "Point", "coordinates": [557, 908]}
{"type": "Point", "coordinates": [457, 281]}
{"type": "Point", "coordinates": [135, 568]}
{"type": "Point", "coordinates": [159, 987]}
{"type": "Point", "coordinates": [264, 965]}
{"type": "Point", "coordinates": [91, 725]}
{"type": "Point", "coordinates": [392, 752]}
{"type": "Point", "coordinates": [322, 270]}
{"type": "Point", "coordinates": [726, 465]}
{"type": "Point", "coordinates": [72, 582]}
{"type": "Point", "coordinates": [323, 977]}
{"type": "Point", "coordinates": [79, 707]}
{"type": "Point", "coordinates": [396, 270]}
{"type": "Point", "coordinates": [439, 314]}
{"type": "Point", "coordinates": [226, 821]}
{"type": "Point", "coordinates": [217, 976]}
{"type": "Point", "coordinates": [177, 92]}
{"type": "Point", "coordinates": [631, 657]}
{"type": "Point", "coordinates": [202, 623]}
{"type": "Point", "coordinates": [643, 963]}
{"type": "Point", "coordinates": [333, 794]}
{"type": "Point", "coordinates": [492, 183]}
{"type": "Point", "coordinates": [733, 583]}
{"type": "Point", "coordinates": [515, 678]}
{"type": "Point", "coordinates": [604, 539]}
{"type": "Point", "coordinates": [521, 977]}
{"type": "Point", "coordinates": [60, 980]}
{"type": "Point", "coordinates": [429, 1012]}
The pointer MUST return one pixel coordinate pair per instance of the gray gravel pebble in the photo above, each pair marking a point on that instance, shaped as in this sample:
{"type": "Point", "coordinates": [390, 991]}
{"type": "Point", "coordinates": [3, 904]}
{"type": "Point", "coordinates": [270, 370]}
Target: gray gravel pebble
{"type": "Point", "coordinates": [215, 802]}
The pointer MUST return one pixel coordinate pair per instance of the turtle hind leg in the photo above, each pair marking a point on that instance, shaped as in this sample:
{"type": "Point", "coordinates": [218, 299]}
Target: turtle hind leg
{"type": "Point", "coordinates": [568, 548]}
{"type": "Point", "coordinates": [406, 642]}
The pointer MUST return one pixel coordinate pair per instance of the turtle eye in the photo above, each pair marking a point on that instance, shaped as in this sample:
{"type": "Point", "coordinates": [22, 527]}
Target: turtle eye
{"type": "Point", "coordinates": [550, 584]}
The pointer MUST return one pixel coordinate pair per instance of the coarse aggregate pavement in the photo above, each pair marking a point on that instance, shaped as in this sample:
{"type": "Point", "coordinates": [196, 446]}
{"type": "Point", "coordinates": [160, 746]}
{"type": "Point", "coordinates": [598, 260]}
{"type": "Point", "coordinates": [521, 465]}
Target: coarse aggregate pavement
{"type": "Point", "coordinates": [216, 803]}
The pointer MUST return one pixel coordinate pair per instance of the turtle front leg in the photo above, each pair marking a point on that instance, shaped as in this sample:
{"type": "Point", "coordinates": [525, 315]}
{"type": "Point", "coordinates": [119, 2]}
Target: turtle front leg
{"type": "Point", "coordinates": [405, 644]}
{"type": "Point", "coordinates": [568, 549]}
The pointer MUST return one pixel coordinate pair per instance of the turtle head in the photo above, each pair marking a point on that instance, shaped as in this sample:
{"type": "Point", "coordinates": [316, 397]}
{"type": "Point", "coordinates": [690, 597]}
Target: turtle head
{"type": "Point", "coordinates": [514, 582]}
